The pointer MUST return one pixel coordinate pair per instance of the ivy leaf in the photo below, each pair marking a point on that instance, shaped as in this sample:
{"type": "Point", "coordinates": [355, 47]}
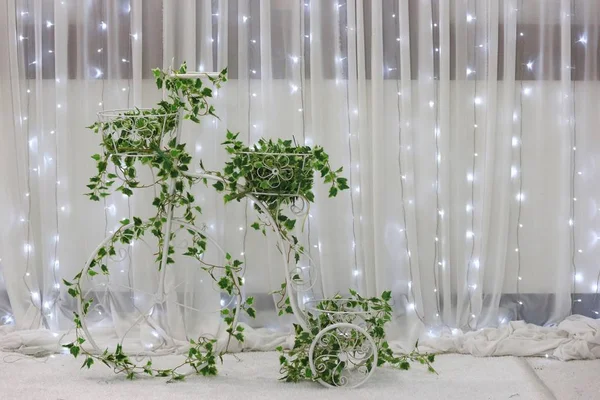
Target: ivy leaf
{"type": "Point", "coordinates": [219, 186]}
{"type": "Point", "coordinates": [88, 362]}
{"type": "Point", "coordinates": [74, 350]}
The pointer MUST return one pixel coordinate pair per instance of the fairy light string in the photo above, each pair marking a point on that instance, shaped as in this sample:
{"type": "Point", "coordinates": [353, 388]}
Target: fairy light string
{"type": "Point", "coordinates": [439, 213]}
{"type": "Point", "coordinates": [518, 143]}
{"type": "Point", "coordinates": [350, 129]}
{"type": "Point", "coordinates": [403, 200]}
{"type": "Point", "coordinates": [471, 176]}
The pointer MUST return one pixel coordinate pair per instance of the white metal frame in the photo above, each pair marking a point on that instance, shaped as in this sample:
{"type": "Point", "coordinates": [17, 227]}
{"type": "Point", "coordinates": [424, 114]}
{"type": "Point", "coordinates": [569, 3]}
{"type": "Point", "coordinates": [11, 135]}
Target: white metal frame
{"type": "Point", "coordinates": [292, 287]}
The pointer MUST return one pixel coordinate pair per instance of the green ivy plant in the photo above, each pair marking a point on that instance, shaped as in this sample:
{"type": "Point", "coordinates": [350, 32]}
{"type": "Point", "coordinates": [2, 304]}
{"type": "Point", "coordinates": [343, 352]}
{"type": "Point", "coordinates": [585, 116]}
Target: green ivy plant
{"type": "Point", "coordinates": [147, 138]}
{"type": "Point", "coordinates": [376, 312]}
{"type": "Point", "coordinates": [278, 173]}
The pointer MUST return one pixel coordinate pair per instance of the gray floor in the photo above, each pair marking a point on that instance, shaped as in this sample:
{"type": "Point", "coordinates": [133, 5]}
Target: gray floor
{"type": "Point", "coordinates": [255, 375]}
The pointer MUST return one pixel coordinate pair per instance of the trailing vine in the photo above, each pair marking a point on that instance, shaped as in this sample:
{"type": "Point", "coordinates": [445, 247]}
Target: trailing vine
{"type": "Point", "coordinates": [280, 174]}
{"type": "Point", "coordinates": [276, 173]}
{"type": "Point", "coordinates": [148, 138]}
{"type": "Point", "coordinates": [373, 313]}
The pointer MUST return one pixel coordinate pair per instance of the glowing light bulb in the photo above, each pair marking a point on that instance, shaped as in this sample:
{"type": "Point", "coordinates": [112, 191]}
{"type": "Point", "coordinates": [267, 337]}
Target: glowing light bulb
{"type": "Point", "coordinates": [527, 91]}
{"type": "Point", "coordinates": [578, 277]}
{"type": "Point", "coordinates": [515, 141]}
{"type": "Point", "coordinates": [520, 196]}
{"type": "Point", "coordinates": [294, 59]}
{"type": "Point", "coordinates": [103, 25]}
{"type": "Point", "coordinates": [431, 104]}
{"type": "Point", "coordinates": [470, 234]}
{"type": "Point", "coordinates": [530, 65]}
{"type": "Point", "coordinates": [470, 177]}
{"type": "Point", "coordinates": [513, 171]}
{"type": "Point", "coordinates": [469, 71]}
{"type": "Point", "coordinates": [582, 39]}
{"type": "Point", "coordinates": [49, 24]}
{"type": "Point", "coordinates": [470, 18]}
{"type": "Point", "coordinates": [478, 100]}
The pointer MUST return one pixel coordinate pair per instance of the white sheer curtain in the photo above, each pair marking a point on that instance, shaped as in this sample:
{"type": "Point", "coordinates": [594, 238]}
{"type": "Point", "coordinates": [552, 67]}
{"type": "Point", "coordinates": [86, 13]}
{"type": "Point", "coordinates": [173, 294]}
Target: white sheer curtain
{"type": "Point", "coordinates": [467, 130]}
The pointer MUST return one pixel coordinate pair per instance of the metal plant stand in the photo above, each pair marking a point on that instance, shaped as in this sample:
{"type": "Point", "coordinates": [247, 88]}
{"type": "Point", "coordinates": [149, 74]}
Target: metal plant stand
{"type": "Point", "coordinates": [356, 352]}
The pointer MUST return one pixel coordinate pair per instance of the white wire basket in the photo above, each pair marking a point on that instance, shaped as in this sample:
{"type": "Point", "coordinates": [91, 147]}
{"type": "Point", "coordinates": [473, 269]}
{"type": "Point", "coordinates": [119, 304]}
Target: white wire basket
{"type": "Point", "coordinates": [277, 173]}
{"type": "Point", "coordinates": [343, 353]}
{"type": "Point", "coordinates": [137, 132]}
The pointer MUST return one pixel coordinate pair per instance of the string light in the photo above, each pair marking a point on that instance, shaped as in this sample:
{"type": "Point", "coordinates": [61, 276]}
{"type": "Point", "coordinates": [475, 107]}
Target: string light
{"type": "Point", "coordinates": [520, 196]}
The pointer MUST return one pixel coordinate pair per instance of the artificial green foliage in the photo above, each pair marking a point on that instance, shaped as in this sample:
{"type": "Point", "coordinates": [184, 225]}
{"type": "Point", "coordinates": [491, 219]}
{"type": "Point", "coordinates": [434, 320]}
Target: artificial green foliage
{"type": "Point", "coordinates": [147, 138]}
{"type": "Point", "coordinates": [374, 313]}
{"type": "Point", "coordinates": [278, 173]}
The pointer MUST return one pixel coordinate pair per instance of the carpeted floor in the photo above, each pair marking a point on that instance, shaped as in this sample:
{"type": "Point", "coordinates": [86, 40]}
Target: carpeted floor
{"type": "Point", "coordinates": [255, 377]}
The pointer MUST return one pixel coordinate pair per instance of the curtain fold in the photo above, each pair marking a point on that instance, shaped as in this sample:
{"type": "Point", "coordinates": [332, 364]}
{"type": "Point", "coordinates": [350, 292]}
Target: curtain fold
{"type": "Point", "coordinates": [466, 130]}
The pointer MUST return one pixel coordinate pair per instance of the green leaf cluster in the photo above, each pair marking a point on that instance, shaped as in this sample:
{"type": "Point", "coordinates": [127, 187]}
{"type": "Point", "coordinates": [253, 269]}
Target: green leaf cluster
{"type": "Point", "coordinates": [147, 138]}
{"type": "Point", "coordinates": [374, 312]}
{"type": "Point", "coordinates": [278, 173]}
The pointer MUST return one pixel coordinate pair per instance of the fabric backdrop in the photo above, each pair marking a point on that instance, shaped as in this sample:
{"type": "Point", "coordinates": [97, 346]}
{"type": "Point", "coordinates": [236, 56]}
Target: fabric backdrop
{"type": "Point", "coordinates": [467, 129]}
